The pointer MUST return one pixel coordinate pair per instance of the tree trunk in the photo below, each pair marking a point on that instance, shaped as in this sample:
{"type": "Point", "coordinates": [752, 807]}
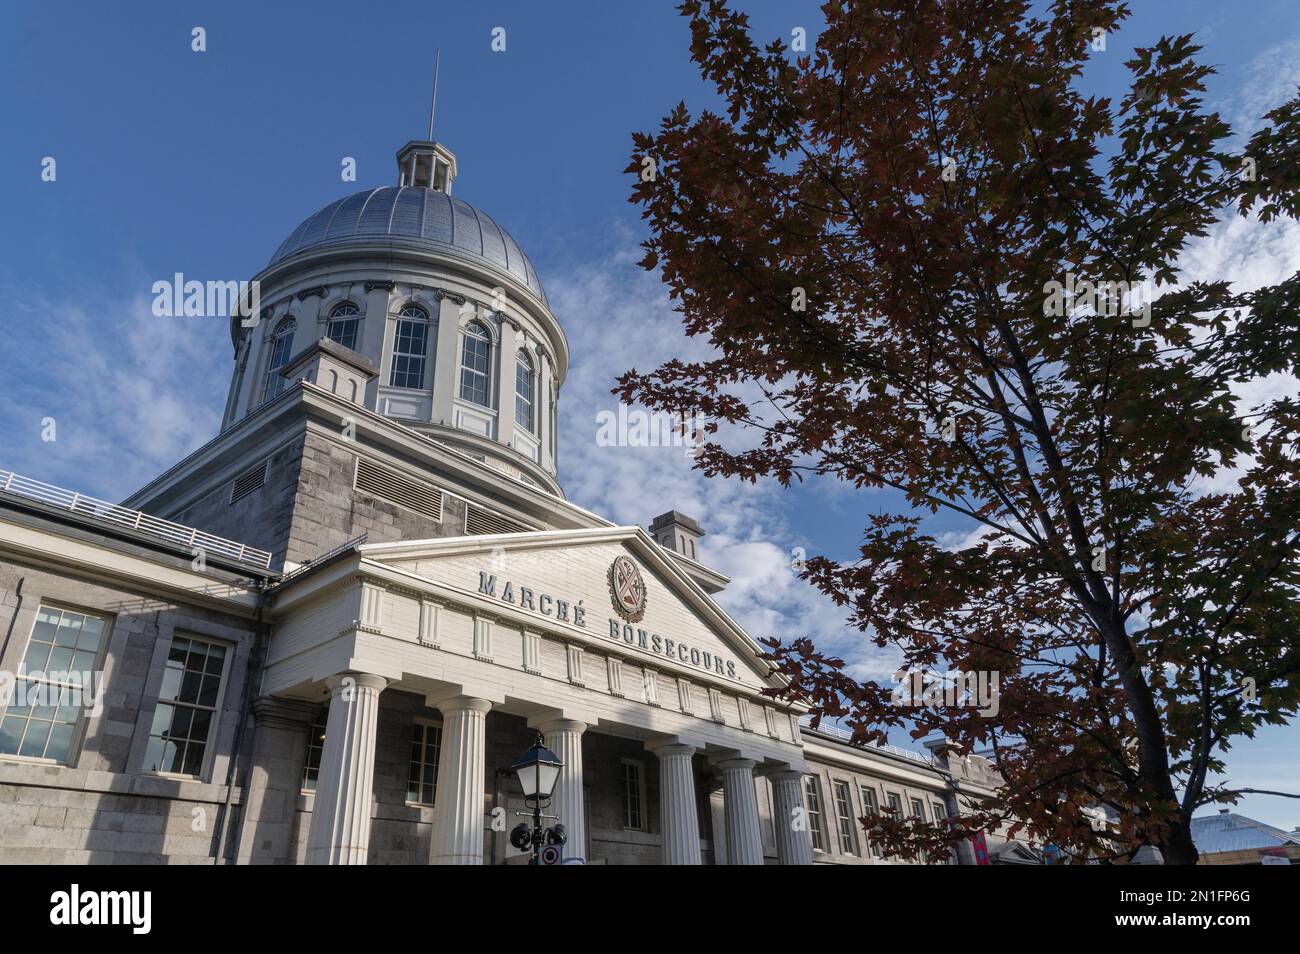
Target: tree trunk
{"type": "Point", "coordinates": [1178, 848]}
{"type": "Point", "coordinates": [1153, 754]}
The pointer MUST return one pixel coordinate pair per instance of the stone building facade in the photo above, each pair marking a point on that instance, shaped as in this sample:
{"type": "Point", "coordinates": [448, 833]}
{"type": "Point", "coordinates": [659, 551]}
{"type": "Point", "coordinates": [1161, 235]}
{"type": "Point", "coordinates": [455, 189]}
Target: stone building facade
{"type": "Point", "coordinates": [326, 635]}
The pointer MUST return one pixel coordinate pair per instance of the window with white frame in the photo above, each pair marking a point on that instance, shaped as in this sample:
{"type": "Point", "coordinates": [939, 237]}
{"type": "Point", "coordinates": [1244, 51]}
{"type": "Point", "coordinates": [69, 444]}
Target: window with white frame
{"type": "Point", "coordinates": [188, 703]}
{"type": "Point", "coordinates": [281, 349]}
{"type": "Point", "coordinates": [895, 803]}
{"type": "Point", "coordinates": [844, 818]}
{"type": "Point", "coordinates": [410, 348]}
{"type": "Point", "coordinates": [813, 797]}
{"type": "Point", "coordinates": [315, 746]}
{"type": "Point", "coordinates": [47, 701]}
{"type": "Point", "coordinates": [476, 364]}
{"type": "Point", "coordinates": [422, 780]}
{"type": "Point", "coordinates": [871, 806]}
{"type": "Point", "coordinates": [633, 795]}
{"type": "Point", "coordinates": [345, 322]}
{"type": "Point", "coordinates": [525, 388]}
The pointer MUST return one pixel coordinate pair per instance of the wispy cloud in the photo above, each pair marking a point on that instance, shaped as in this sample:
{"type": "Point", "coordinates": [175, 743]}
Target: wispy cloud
{"type": "Point", "coordinates": [128, 393]}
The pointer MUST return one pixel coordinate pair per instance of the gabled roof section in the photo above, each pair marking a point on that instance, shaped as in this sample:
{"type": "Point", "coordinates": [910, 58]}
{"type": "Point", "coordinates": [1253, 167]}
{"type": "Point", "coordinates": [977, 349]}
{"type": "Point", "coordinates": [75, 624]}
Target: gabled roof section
{"type": "Point", "coordinates": [1228, 831]}
{"type": "Point", "coordinates": [575, 563]}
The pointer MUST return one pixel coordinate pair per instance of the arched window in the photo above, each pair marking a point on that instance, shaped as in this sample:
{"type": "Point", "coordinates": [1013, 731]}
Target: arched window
{"type": "Point", "coordinates": [410, 348]}
{"type": "Point", "coordinates": [524, 389]}
{"type": "Point", "coordinates": [475, 364]}
{"type": "Point", "coordinates": [345, 322]}
{"type": "Point", "coordinates": [281, 348]}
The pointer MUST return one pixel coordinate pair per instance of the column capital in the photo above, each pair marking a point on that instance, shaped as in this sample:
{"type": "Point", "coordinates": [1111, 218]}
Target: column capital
{"type": "Point", "coordinates": [559, 724]}
{"type": "Point", "coordinates": [785, 774]}
{"type": "Point", "coordinates": [452, 704]}
{"type": "Point", "coordinates": [736, 762]}
{"type": "Point", "coordinates": [356, 680]}
{"type": "Point", "coordinates": [670, 747]}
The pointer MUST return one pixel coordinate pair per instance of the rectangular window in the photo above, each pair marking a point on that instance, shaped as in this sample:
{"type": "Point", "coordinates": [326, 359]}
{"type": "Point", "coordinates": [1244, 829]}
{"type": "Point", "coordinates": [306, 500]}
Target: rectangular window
{"type": "Point", "coordinates": [524, 396]}
{"type": "Point", "coordinates": [187, 707]}
{"type": "Point", "coordinates": [474, 368]}
{"type": "Point", "coordinates": [895, 803]}
{"type": "Point", "coordinates": [633, 796]}
{"type": "Point", "coordinates": [45, 708]}
{"type": "Point", "coordinates": [422, 783]}
{"type": "Point", "coordinates": [813, 796]}
{"type": "Point", "coordinates": [844, 818]}
{"type": "Point", "coordinates": [410, 346]}
{"type": "Point", "coordinates": [871, 806]}
{"type": "Point", "coordinates": [315, 746]}
{"type": "Point", "coordinates": [276, 383]}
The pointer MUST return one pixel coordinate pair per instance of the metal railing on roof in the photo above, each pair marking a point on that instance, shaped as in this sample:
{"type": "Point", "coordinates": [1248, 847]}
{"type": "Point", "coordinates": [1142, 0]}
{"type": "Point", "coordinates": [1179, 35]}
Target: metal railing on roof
{"type": "Point", "coordinates": [324, 557]}
{"type": "Point", "coordinates": [132, 519]}
{"type": "Point", "coordinates": [836, 731]}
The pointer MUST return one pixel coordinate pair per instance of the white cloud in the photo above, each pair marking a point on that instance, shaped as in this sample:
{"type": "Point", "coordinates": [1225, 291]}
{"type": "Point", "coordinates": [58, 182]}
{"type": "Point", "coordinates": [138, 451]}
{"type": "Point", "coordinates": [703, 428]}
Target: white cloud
{"type": "Point", "coordinates": [1270, 79]}
{"type": "Point", "coordinates": [129, 393]}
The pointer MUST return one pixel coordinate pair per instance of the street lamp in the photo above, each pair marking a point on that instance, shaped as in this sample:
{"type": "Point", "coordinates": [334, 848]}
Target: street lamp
{"type": "Point", "coordinates": [538, 770]}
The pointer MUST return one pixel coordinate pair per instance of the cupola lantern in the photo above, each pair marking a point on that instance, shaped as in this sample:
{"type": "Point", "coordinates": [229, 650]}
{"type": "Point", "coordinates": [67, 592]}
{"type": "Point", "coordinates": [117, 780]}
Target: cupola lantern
{"type": "Point", "coordinates": [427, 165]}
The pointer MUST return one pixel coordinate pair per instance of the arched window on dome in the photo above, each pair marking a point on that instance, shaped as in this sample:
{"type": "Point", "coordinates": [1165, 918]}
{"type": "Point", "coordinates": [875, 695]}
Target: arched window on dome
{"type": "Point", "coordinates": [281, 349]}
{"type": "Point", "coordinates": [525, 389]}
{"type": "Point", "coordinates": [476, 364]}
{"type": "Point", "coordinates": [344, 324]}
{"type": "Point", "coordinates": [410, 348]}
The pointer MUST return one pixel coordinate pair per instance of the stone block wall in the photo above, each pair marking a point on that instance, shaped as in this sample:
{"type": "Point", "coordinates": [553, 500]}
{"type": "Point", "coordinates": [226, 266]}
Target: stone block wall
{"type": "Point", "coordinates": [102, 807]}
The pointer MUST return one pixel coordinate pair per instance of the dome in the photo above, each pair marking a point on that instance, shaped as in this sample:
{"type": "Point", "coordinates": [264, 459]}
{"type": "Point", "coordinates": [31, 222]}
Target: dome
{"type": "Point", "coordinates": [417, 218]}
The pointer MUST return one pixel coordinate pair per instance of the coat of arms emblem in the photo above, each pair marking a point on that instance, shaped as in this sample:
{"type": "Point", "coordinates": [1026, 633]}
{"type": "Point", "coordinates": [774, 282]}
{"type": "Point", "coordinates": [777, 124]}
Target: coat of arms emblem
{"type": "Point", "coordinates": [627, 589]}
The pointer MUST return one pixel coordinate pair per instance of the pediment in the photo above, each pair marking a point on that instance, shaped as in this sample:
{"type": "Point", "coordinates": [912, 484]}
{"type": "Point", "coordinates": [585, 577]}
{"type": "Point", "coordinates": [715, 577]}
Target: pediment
{"type": "Point", "coordinates": [565, 580]}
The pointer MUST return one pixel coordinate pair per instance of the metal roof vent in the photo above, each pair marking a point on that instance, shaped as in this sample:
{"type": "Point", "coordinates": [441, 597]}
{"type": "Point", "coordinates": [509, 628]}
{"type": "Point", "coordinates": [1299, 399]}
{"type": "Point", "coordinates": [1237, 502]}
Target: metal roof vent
{"type": "Point", "coordinates": [394, 487]}
{"type": "Point", "coordinates": [250, 480]}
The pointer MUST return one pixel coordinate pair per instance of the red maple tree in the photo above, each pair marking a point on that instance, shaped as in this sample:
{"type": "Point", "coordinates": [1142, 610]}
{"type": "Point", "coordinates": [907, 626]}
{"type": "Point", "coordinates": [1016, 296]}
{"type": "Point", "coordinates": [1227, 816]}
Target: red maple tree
{"type": "Point", "coordinates": [927, 261]}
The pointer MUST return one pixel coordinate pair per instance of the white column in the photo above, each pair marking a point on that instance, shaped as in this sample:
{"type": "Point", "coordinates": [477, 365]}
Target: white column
{"type": "Point", "coordinates": [740, 805]}
{"type": "Point", "coordinates": [340, 818]}
{"type": "Point", "coordinates": [793, 840]}
{"type": "Point", "coordinates": [678, 812]}
{"type": "Point", "coordinates": [462, 782]}
{"type": "Point", "coordinates": [564, 738]}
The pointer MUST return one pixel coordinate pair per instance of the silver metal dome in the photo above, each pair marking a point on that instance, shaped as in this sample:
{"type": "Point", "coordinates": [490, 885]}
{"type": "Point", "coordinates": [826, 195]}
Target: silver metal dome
{"type": "Point", "coordinates": [420, 218]}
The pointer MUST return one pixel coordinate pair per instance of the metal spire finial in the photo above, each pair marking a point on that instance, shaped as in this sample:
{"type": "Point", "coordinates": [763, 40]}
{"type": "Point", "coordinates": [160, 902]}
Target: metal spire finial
{"type": "Point", "coordinates": [433, 103]}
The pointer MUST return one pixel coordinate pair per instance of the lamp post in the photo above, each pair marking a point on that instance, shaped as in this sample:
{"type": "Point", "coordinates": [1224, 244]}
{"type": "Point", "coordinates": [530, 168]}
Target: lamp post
{"type": "Point", "coordinates": [538, 769]}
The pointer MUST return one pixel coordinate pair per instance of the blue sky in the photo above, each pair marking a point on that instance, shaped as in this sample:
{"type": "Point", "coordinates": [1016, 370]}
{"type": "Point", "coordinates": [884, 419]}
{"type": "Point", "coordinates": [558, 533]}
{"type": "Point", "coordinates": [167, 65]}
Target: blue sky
{"type": "Point", "coordinates": [170, 160]}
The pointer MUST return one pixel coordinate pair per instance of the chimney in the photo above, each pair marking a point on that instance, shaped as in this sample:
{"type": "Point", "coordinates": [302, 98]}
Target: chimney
{"type": "Point", "coordinates": [678, 532]}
